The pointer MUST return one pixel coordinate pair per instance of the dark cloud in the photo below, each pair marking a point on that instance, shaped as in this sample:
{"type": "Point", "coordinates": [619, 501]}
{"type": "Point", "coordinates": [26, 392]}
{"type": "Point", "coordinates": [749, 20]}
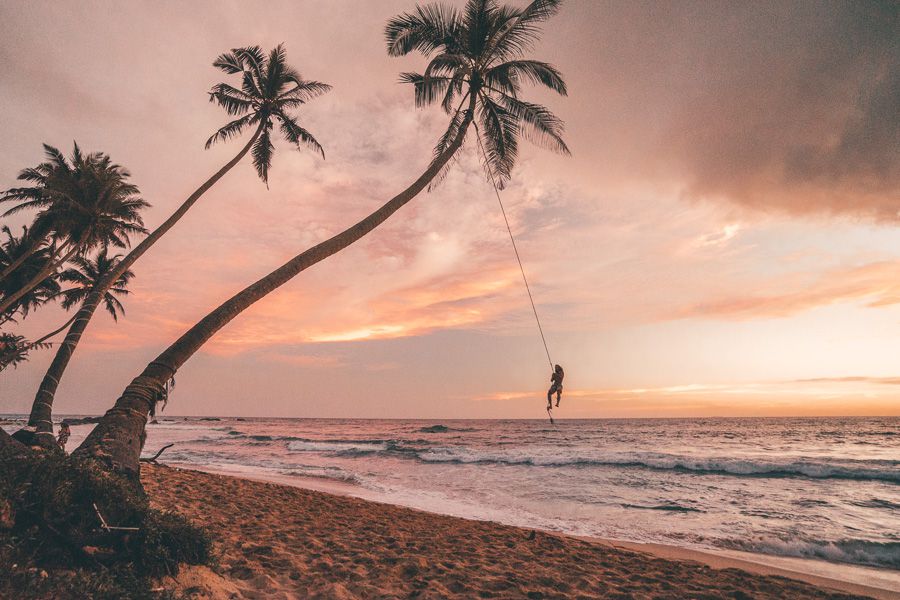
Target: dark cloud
{"type": "Point", "coordinates": [775, 106]}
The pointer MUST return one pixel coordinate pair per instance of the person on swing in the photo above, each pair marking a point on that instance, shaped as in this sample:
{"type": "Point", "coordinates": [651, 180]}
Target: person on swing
{"type": "Point", "coordinates": [556, 386]}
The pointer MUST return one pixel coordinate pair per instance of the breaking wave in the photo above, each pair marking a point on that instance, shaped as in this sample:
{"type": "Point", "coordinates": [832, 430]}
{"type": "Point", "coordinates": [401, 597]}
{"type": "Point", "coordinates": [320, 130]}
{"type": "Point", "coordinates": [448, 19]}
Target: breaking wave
{"type": "Point", "coordinates": [883, 470]}
{"type": "Point", "coordinates": [860, 552]}
{"type": "Point", "coordinates": [339, 446]}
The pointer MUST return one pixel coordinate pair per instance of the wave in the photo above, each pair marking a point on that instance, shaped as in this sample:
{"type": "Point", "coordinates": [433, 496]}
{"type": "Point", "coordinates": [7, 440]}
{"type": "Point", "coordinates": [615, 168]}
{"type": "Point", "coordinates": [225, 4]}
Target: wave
{"type": "Point", "coordinates": [339, 446]}
{"type": "Point", "coordinates": [883, 470]}
{"type": "Point", "coordinates": [332, 473]}
{"type": "Point", "coordinates": [444, 429]}
{"type": "Point", "coordinates": [546, 456]}
{"type": "Point", "coordinates": [666, 507]}
{"type": "Point", "coordinates": [877, 503]}
{"type": "Point", "coordinates": [859, 552]}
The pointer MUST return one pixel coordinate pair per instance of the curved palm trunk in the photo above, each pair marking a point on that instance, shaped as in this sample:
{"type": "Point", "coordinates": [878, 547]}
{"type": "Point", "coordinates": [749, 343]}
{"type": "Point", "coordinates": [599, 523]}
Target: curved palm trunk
{"type": "Point", "coordinates": [5, 360]}
{"type": "Point", "coordinates": [43, 400]}
{"type": "Point", "coordinates": [119, 437]}
{"type": "Point", "coordinates": [41, 339]}
{"type": "Point", "coordinates": [42, 407]}
{"type": "Point", "coordinates": [37, 279]}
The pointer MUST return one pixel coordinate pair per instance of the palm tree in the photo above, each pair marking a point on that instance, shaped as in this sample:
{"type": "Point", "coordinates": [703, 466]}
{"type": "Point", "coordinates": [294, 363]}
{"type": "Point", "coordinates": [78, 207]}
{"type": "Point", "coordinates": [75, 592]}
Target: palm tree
{"type": "Point", "coordinates": [31, 261]}
{"type": "Point", "coordinates": [270, 91]}
{"type": "Point", "coordinates": [85, 276]}
{"type": "Point", "coordinates": [84, 205]}
{"type": "Point", "coordinates": [485, 44]}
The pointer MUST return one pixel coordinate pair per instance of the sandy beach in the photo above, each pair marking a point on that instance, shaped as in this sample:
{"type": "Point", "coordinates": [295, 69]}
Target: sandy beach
{"type": "Point", "coordinates": [277, 541]}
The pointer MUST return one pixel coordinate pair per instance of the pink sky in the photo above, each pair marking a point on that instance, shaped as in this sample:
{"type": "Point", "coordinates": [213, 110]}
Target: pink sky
{"type": "Point", "coordinates": [723, 240]}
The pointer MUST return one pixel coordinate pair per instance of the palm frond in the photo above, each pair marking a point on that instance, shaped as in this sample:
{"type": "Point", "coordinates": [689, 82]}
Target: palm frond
{"type": "Point", "coordinates": [229, 62]}
{"type": "Point", "coordinates": [234, 101]}
{"type": "Point", "coordinates": [262, 155]}
{"type": "Point", "coordinates": [304, 91]}
{"type": "Point", "coordinates": [298, 135]}
{"type": "Point", "coordinates": [499, 135]}
{"type": "Point", "coordinates": [443, 144]}
{"type": "Point", "coordinates": [232, 129]}
{"type": "Point", "coordinates": [521, 32]}
{"type": "Point", "coordinates": [537, 72]}
{"type": "Point", "coordinates": [537, 124]}
{"type": "Point", "coordinates": [426, 90]}
{"type": "Point", "coordinates": [427, 28]}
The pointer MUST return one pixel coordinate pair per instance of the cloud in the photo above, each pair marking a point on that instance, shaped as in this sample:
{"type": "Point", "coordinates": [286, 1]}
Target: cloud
{"type": "Point", "coordinates": [876, 284]}
{"type": "Point", "coordinates": [775, 107]}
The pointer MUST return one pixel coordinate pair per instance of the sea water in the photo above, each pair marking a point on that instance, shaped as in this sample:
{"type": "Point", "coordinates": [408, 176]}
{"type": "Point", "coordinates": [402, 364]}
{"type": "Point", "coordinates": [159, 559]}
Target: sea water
{"type": "Point", "coordinates": [823, 488]}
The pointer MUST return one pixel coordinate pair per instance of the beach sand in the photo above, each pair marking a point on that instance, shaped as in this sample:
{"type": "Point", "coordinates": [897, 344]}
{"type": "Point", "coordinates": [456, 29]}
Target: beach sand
{"type": "Point", "coordinates": [277, 541]}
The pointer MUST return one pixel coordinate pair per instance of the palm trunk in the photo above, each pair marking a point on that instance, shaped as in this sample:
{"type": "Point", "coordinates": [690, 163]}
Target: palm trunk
{"type": "Point", "coordinates": [42, 407]}
{"type": "Point", "coordinates": [5, 360]}
{"type": "Point", "coordinates": [41, 339]}
{"type": "Point", "coordinates": [37, 279]}
{"type": "Point", "coordinates": [47, 389]}
{"type": "Point", "coordinates": [22, 258]}
{"type": "Point", "coordinates": [118, 438]}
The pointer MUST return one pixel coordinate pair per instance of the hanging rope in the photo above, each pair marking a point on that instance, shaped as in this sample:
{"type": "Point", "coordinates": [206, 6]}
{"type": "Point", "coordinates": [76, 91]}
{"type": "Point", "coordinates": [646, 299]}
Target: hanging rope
{"type": "Point", "coordinates": [515, 249]}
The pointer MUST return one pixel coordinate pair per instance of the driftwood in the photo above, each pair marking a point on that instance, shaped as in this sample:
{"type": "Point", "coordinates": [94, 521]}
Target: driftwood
{"type": "Point", "coordinates": [153, 458]}
{"type": "Point", "coordinates": [110, 527]}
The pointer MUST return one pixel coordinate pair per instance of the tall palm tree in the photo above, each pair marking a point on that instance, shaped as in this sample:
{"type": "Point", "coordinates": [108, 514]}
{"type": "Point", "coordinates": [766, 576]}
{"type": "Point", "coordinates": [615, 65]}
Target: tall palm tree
{"type": "Point", "coordinates": [31, 262]}
{"type": "Point", "coordinates": [85, 275]}
{"type": "Point", "coordinates": [270, 91]}
{"type": "Point", "coordinates": [83, 205]}
{"type": "Point", "coordinates": [485, 43]}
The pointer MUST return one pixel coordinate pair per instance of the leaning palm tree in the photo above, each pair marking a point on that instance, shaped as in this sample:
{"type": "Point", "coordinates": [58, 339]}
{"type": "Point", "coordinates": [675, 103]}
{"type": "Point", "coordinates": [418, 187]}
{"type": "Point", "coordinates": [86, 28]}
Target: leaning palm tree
{"type": "Point", "coordinates": [85, 204]}
{"type": "Point", "coordinates": [270, 91]}
{"type": "Point", "coordinates": [85, 275]}
{"type": "Point", "coordinates": [31, 262]}
{"type": "Point", "coordinates": [481, 48]}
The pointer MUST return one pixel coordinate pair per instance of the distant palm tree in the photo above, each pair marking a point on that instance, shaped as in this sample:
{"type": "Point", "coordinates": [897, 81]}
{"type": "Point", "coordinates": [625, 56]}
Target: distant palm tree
{"type": "Point", "coordinates": [85, 276]}
{"type": "Point", "coordinates": [83, 205]}
{"type": "Point", "coordinates": [31, 261]}
{"type": "Point", "coordinates": [270, 90]}
{"type": "Point", "coordinates": [481, 48]}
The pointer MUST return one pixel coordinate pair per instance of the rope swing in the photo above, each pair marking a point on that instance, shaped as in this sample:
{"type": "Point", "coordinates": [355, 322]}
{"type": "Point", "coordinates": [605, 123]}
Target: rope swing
{"type": "Point", "coordinates": [515, 248]}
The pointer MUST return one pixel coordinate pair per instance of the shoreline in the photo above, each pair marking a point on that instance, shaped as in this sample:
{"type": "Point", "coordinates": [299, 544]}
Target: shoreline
{"type": "Point", "coordinates": [804, 570]}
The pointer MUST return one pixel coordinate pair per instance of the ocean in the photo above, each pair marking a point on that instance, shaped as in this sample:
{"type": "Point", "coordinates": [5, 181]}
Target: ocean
{"type": "Point", "coordinates": [820, 488]}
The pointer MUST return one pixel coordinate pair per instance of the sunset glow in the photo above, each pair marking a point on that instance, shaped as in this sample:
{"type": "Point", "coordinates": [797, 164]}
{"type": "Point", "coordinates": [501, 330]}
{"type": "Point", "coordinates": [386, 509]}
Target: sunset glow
{"type": "Point", "coordinates": [724, 239]}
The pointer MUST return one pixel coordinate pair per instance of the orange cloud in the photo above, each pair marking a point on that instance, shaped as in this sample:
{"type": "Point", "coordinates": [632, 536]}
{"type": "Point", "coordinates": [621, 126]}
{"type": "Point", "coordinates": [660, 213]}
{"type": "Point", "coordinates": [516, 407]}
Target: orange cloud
{"type": "Point", "coordinates": [876, 283]}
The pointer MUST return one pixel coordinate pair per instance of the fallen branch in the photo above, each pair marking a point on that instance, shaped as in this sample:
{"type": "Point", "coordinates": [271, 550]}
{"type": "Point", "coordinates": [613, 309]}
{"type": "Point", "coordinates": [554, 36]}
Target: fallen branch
{"type": "Point", "coordinates": [110, 527]}
{"type": "Point", "coordinates": [153, 459]}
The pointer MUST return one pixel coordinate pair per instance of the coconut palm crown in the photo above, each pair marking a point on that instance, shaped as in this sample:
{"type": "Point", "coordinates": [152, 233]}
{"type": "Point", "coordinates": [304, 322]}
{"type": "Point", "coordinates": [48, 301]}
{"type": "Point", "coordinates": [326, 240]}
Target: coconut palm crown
{"type": "Point", "coordinates": [270, 89]}
{"type": "Point", "coordinates": [479, 52]}
{"type": "Point", "coordinates": [87, 202]}
{"type": "Point", "coordinates": [87, 274]}
{"type": "Point", "coordinates": [34, 261]}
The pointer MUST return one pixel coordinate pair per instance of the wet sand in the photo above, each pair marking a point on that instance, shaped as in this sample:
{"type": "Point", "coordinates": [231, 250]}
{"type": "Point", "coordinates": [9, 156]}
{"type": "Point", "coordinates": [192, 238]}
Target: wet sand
{"type": "Point", "coordinates": [277, 541]}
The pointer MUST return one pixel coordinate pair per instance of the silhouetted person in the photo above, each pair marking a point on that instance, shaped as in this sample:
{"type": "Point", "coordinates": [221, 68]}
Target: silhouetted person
{"type": "Point", "coordinates": [64, 433]}
{"type": "Point", "coordinates": [556, 386]}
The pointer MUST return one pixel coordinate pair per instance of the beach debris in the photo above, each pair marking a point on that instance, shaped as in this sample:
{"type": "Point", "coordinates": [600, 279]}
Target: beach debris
{"type": "Point", "coordinates": [110, 527]}
{"type": "Point", "coordinates": [153, 458]}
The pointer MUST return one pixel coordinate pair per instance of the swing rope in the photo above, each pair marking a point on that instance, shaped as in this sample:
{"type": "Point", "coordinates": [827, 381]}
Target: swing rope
{"type": "Point", "coordinates": [515, 249]}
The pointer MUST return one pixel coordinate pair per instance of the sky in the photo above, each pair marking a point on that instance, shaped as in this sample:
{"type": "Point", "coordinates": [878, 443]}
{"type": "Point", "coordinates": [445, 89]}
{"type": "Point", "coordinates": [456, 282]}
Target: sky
{"type": "Point", "coordinates": [722, 241]}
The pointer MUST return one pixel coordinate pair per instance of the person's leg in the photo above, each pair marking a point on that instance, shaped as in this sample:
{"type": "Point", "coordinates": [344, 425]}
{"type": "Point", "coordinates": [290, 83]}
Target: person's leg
{"type": "Point", "coordinates": [550, 398]}
{"type": "Point", "coordinates": [558, 395]}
